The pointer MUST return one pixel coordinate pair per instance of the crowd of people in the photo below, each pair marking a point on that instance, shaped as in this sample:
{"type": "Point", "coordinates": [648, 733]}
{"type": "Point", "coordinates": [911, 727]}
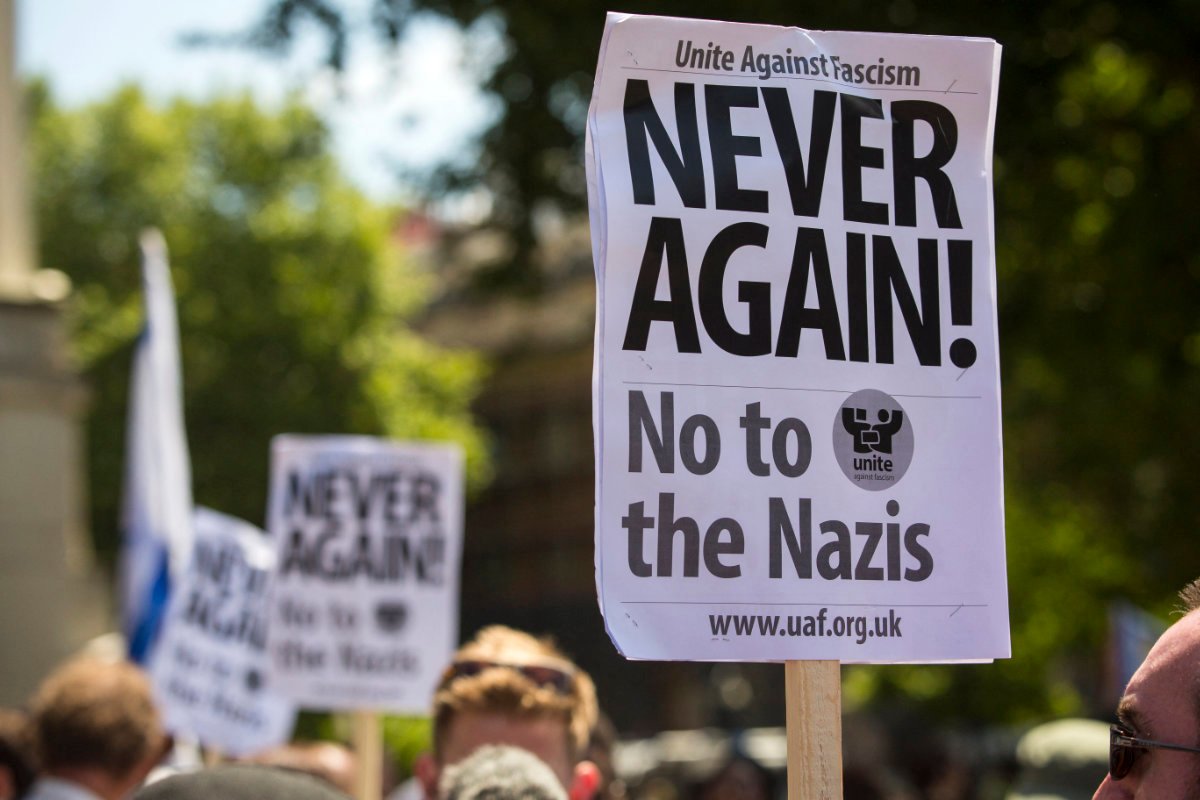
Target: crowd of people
{"type": "Point", "coordinates": [513, 717]}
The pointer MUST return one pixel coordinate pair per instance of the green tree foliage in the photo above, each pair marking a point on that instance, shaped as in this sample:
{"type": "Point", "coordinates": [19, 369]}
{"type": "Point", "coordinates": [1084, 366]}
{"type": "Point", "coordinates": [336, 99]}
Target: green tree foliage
{"type": "Point", "coordinates": [1098, 280]}
{"type": "Point", "coordinates": [291, 292]}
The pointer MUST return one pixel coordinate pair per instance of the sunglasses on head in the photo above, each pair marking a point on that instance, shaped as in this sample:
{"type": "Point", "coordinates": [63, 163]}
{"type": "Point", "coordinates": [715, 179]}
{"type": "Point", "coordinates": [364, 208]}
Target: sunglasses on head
{"type": "Point", "coordinates": [1124, 749]}
{"type": "Point", "coordinates": [560, 680]}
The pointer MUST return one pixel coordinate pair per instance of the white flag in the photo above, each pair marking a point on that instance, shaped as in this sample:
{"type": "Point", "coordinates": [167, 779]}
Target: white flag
{"type": "Point", "coordinates": [156, 523]}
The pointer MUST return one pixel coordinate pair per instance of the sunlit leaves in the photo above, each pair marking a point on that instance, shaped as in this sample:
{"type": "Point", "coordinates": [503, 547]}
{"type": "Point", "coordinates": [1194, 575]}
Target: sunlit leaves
{"type": "Point", "coordinates": [292, 295]}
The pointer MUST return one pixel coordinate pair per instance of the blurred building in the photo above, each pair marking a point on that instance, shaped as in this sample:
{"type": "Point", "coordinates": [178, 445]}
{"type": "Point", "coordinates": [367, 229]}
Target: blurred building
{"type": "Point", "coordinates": [49, 601]}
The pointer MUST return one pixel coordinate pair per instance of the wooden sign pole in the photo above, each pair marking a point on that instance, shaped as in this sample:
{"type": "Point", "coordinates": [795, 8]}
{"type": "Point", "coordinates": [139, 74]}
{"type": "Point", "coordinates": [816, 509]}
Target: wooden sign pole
{"type": "Point", "coordinates": [368, 750]}
{"type": "Point", "coordinates": [814, 729]}
{"type": "Point", "coordinates": [213, 756]}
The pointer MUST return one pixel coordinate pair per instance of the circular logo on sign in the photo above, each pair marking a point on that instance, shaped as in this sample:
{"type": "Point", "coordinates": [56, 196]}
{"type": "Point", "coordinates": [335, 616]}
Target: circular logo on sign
{"type": "Point", "coordinates": [390, 617]}
{"type": "Point", "coordinates": [873, 440]}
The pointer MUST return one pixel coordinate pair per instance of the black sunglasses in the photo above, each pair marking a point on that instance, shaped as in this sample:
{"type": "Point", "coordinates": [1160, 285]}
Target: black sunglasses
{"type": "Point", "coordinates": [560, 680]}
{"type": "Point", "coordinates": [1124, 749]}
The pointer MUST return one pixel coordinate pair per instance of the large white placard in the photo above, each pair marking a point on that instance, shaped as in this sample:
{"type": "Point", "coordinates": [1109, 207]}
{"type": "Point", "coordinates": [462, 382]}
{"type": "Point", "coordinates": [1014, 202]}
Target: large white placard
{"type": "Point", "coordinates": [797, 406]}
{"type": "Point", "coordinates": [364, 612]}
{"type": "Point", "coordinates": [209, 670]}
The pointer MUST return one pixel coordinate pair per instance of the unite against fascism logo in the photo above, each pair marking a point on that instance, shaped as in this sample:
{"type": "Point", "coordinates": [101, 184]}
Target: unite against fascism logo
{"type": "Point", "coordinates": [873, 440]}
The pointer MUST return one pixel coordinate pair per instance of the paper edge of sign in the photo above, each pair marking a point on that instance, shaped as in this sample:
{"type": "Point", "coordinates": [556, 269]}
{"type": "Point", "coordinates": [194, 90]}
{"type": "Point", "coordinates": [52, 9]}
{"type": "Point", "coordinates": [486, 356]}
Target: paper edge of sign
{"type": "Point", "coordinates": [599, 230]}
{"type": "Point", "coordinates": [616, 18]}
{"type": "Point", "coordinates": [356, 443]}
{"type": "Point", "coordinates": [851, 662]}
{"type": "Point", "coordinates": [260, 552]}
{"type": "Point", "coordinates": [989, 156]}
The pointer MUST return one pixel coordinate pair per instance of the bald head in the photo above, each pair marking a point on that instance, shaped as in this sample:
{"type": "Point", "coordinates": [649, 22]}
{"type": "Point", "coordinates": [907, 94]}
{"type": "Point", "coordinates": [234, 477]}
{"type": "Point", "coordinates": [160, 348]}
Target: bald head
{"type": "Point", "coordinates": [1190, 598]}
{"type": "Point", "coordinates": [1162, 703]}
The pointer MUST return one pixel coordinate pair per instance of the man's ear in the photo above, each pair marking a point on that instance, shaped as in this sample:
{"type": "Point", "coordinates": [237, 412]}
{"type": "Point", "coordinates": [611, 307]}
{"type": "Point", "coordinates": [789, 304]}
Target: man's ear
{"type": "Point", "coordinates": [8, 783]}
{"type": "Point", "coordinates": [427, 771]}
{"type": "Point", "coordinates": [585, 782]}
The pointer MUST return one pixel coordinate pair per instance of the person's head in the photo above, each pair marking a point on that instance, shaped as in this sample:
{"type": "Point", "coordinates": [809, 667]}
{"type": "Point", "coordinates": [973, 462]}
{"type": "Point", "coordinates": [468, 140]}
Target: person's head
{"type": "Point", "coordinates": [1162, 704]}
{"type": "Point", "coordinates": [600, 752]}
{"type": "Point", "coordinates": [739, 778]}
{"type": "Point", "coordinates": [95, 723]}
{"type": "Point", "coordinates": [507, 687]}
{"type": "Point", "coordinates": [17, 764]}
{"type": "Point", "coordinates": [500, 772]}
{"type": "Point", "coordinates": [240, 782]}
{"type": "Point", "coordinates": [331, 762]}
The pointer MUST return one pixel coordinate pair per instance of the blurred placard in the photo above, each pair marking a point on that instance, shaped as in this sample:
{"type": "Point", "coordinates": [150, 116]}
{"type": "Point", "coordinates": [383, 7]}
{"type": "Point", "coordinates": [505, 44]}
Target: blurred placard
{"type": "Point", "coordinates": [210, 668]}
{"type": "Point", "coordinates": [368, 532]}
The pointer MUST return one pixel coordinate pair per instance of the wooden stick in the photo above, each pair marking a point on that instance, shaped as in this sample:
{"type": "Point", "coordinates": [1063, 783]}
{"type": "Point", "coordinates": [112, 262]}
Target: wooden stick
{"type": "Point", "coordinates": [814, 729]}
{"type": "Point", "coordinates": [368, 749]}
{"type": "Point", "coordinates": [213, 756]}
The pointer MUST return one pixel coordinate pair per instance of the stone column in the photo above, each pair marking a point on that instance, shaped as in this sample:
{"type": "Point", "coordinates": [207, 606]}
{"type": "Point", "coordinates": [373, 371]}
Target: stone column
{"type": "Point", "coordinates": [51, 599]}
{"type": "Point", "coordinates": [16, 253]}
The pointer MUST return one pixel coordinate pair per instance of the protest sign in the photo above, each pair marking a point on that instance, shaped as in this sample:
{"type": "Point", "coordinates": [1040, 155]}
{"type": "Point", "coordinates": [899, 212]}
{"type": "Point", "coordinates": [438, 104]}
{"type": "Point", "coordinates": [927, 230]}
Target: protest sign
{"type": "Point", "coordinates": [209, 670]}
{"type": "Point", "coordinates": [797, 388]}
{"type": "Point", "coordinates": [368, 532]}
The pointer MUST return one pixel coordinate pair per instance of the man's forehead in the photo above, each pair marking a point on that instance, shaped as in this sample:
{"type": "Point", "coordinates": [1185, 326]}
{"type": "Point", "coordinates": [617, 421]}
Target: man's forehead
{"type": "Point", "coordinates": [1178, 648]}
{"type": "Point", "coordinates": [545, 737]}
{"type": "Point", "coordinates": [1168, 676]}
{"type": "Point", "coordinates": [499, 724]}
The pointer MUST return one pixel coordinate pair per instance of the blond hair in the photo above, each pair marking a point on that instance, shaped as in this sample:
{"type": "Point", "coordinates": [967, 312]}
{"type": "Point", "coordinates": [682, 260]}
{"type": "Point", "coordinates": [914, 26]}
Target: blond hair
{"type": "Point", "coordinates": [91, 713]}
{"type": "Point", "coordinates": [507, 691]}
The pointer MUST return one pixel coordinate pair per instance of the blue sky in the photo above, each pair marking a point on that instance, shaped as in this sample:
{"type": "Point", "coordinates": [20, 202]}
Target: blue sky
{"type": "Point", "coordinates": [410, 109]}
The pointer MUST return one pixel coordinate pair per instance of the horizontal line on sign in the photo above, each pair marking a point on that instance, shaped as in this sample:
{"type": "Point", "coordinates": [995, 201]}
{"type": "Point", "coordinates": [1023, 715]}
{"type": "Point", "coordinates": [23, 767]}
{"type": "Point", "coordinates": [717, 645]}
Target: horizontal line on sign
{"type": "Point", "coordinates": [796, 389]}
{"type": "Point", "coordinates": [745, 76]}
{"type": "Point", "coordinates": [824, 605]}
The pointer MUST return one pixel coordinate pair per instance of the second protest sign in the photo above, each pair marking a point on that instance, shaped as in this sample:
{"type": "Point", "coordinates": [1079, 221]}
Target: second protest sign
{"type": "Point", "coordinates": [364, 611]}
